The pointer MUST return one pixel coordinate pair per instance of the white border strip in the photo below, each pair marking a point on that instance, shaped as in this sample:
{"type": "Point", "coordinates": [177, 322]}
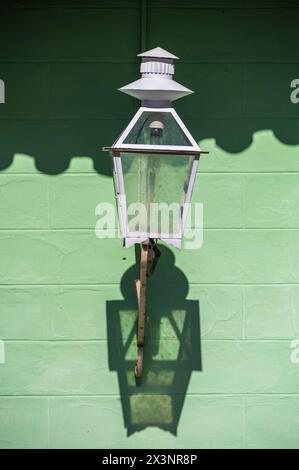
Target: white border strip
{"type": "Point", "coordinates": [189, 191]}
{"type": "Point", "coordinates": [121, 195]}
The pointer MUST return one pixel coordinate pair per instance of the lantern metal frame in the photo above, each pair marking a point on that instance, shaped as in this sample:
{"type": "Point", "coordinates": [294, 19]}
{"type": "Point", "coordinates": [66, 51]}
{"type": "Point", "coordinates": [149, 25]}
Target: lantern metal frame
{"type": "Point", "coordinates": [182, 149]}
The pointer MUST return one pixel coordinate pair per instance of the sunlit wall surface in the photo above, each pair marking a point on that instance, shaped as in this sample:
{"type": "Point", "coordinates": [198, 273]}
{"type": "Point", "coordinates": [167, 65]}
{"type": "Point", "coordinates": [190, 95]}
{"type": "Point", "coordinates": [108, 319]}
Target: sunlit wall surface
{"type": "Point", "coordinates": [221, 363]}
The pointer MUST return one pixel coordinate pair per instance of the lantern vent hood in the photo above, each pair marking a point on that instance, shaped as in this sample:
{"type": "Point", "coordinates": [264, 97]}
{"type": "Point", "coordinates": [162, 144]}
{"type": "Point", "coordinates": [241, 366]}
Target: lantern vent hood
{"type": "Point", "coordinates": [156, 87]}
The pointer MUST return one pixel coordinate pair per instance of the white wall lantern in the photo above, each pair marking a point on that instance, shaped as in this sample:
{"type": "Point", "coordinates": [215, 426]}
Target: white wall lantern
{"type": "Point", "coordinates": [155, 163]}
{"type": "Point", "coordinates": [155, 158]}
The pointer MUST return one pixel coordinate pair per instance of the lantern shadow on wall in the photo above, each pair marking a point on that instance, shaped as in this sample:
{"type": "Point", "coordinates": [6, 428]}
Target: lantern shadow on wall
{"type": "Point", "coordinates": [172, 348]}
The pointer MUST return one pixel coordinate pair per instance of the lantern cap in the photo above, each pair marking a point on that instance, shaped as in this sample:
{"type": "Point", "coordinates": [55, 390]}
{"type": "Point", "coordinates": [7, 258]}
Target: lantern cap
{"type": "Point", "coordinates": [156, 88]}
{"type": "Point", "coordinates": [158, 52]}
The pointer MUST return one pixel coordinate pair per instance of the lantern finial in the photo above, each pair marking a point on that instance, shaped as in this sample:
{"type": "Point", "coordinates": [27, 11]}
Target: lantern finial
{"type": "Point", "coordinates": [158, 52]}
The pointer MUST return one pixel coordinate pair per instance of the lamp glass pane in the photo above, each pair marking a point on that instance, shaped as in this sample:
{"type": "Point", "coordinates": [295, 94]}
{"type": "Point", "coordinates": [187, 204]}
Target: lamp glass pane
{"type": "Point", "coordinates": [157, 128]}
{"type": "Point", "coordinates": [155, 187]}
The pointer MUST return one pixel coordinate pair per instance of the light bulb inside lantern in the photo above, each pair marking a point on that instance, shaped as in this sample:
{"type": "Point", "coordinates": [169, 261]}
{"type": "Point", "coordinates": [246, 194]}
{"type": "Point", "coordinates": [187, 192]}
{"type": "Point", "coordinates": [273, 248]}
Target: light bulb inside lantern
{"type": "Point", "coordinates": [156, 128]}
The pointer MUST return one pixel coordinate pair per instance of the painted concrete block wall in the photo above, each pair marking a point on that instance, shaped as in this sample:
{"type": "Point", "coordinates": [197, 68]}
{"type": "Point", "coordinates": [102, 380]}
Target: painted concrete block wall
{"type": "Point", "coordinates": [67, 298]}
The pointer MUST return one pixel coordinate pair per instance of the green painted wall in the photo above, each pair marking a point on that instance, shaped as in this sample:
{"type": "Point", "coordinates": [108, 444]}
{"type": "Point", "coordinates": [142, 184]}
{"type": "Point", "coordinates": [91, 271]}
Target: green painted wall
{"type": "Point", "coordinates": [67, 300]}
